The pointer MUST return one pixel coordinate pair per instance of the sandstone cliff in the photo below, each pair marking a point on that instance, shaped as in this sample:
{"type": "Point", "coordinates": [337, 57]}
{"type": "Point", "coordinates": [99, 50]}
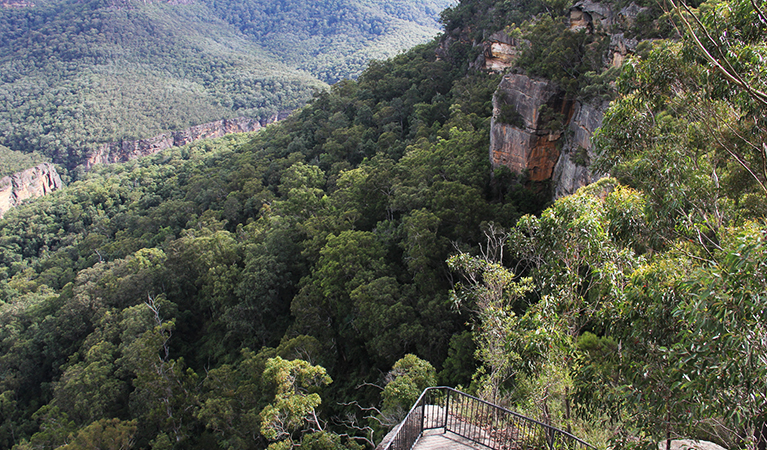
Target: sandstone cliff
{"type": "Point", "coordinates": [535, 128]}
{"type": "Point", "coordinates": [525, 128]}
{"type": "Point", "coordinates": [573, 170]}
{"type": "Point", "coordinates": [122, 151]}
{"type": "Point", "coordinates": [126, 4]}
{"type": "Point", "coordinates": [600, 17]}
{"type": "Point", "coordinates": [499, 52]}
{"type": "Point", "coordinates": [31, 183]}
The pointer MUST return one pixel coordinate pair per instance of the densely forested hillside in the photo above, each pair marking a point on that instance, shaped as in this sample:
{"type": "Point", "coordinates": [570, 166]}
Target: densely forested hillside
{"type": "Point", "coordinates": [76, 74]}
{"type": "Point", "coordinates": [260, 290]}
{"type": "Point", "coordinates": [323, 237]}
{"type": "Point", "coordinates": [334, 39]}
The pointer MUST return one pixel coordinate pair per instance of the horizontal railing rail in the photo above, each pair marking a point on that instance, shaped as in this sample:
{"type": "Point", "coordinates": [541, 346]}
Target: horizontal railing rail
{"type": "Point", "coordinates": [479, 421]}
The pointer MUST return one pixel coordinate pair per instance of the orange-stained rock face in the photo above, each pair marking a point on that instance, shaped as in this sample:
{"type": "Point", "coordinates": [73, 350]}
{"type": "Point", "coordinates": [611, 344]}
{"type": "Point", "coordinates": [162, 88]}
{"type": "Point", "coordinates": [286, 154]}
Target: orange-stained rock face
{"type": "Point", "coordinates": [524, 151]}
{"type": "Point", "coordinates": [542, 159]}
{"type": "Point", "coordinates": [550, 137]}
{"type": "Point", "coordinates": [540, 112]}
{"type": "Point", "coordinates": [510, 146]}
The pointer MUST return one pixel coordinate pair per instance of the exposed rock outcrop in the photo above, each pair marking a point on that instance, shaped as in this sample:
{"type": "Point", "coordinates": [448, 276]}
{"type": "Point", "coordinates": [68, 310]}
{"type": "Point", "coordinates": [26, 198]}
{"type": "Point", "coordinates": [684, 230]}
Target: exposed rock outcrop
{"type": "Point", "coordinates": [527, 124]}
{"type": "Point", "coordinates": [689, 444]}
{"type": "Point", "coordinates": [573, 170]}
{"type": "Point", "coordinates": [31, 183]}
{"type": "Point", "coordinates": [596, 16]}
{"type": "Point", "coordinates": [591, 15]}
{"type": "Point", "coordinates": [44, 179]}
{"type": "Point", "coordinates": [536, 130]}
{"type": "Point", "coordinates": [499, 52]}
{"type": "Point", "coordinates": [122, 151]}
{"type": "Point", "coordinates": [620, 48]}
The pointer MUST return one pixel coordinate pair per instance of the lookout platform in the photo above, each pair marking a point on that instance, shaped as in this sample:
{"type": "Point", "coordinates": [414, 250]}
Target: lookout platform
{"type": "Point", "coordinates": [444, 418]}
{"type": "Point", "coordinates": [439, 440]}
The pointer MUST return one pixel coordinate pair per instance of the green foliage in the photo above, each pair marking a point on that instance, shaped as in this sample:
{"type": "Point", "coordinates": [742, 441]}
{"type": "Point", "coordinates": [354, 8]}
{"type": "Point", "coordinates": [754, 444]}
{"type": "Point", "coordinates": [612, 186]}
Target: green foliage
{"type": "Point", "coordinates": [141, 286]}
{"type": "Point", "coordinates": [719, 356]}
{"type": "Point", "coordinates": [12, 162]}
{"type": "Point", "coordinates": [563, 56]}
{"type": "Point", "coordinates": [234, 394]}
{"type": "Point", "coordinates": [77, 75]}
{"type": "Point", "coordinates": [108, 434]}
{"type": "Point", "coordinates": [283, 420]}
{"type": "Point", "coordinates": [406, 381]}
{"type": "Point", "coordinates": [333, 39]}
{"type": "Point", "coordinates": [80, 74]}
{"type": "Point", "coordinates": [691, 144]}
{"type": "Point", "coordinates": [659, 285]}
{"type": "Point", "coordinates": [460, 365]}
{"type": "Point", "coordinates": [599, 87]}
{"type": "Point", "coordinates": [592, 233]}
{"type": "Point", "coordinates": [488, 16]}
{"type": "Point", "coordinates": [489, 291]}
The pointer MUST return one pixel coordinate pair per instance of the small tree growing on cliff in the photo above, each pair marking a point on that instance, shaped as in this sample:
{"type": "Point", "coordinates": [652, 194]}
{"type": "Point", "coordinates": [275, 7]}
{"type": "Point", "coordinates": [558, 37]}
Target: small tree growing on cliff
{"type": "Point", "coordinates": [488, 290]}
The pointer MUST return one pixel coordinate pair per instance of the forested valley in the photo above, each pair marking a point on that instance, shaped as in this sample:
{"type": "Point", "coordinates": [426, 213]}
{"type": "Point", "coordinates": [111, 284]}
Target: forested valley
{"type": "Point", "coordinates": [300, 286]}
{"type": "Point", "coordinates": [77, 74]}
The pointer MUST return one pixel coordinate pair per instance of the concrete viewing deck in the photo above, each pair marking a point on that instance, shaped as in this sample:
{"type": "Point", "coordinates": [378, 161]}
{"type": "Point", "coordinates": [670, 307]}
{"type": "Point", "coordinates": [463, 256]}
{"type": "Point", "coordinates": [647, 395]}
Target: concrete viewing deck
{"type": "Point", "coordinates": [445, 418]}
{"type": "Point", "coordinates": [438, 439]}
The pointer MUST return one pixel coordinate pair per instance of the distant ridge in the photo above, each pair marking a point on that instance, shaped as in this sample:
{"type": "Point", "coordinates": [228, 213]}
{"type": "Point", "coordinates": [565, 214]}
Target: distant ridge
{"type": "Point", "coordinates": [122, 151]}
{"type": "Point", "coordinates": [128, 69]}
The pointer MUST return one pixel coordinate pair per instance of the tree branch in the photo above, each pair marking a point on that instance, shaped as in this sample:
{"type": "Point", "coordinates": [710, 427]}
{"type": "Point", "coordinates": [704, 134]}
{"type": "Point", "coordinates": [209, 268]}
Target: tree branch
{"type": "Point", "coordinates": [756, 94]}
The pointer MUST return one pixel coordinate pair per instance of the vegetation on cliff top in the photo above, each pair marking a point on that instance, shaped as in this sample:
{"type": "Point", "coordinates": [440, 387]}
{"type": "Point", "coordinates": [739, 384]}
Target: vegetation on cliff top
{"type": "Point", "coordinates": [13, 162]}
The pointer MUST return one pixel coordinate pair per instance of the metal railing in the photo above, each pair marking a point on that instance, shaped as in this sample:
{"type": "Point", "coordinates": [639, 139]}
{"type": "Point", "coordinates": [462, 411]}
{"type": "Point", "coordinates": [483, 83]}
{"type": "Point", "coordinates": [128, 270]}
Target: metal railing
{"type": "Point", "coordinates": [479, 421]}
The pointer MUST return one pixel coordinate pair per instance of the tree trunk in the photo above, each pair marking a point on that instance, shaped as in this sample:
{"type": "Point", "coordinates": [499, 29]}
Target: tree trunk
{"type": "Point", "coordinates": [668, 427]}
{"type": "Point", "coordinates": [567, 409]}
{"type": "Point", "coordinates": [760, 435]}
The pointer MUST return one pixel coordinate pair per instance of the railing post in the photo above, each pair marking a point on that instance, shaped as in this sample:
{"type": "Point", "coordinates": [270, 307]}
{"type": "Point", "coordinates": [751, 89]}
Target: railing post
{"type": "Point", "coordinates": [423, 413]}
{"type": "Point", "coordinates": [447, 410]}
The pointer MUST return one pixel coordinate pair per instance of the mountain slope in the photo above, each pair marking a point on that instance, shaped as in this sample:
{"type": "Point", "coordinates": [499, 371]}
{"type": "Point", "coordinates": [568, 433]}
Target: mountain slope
{"type": "Point", "coordinates": [168, 300]}
{"type": "Point", "coordinates": [334, 39]}
{"type": "Point", "coordinates": [76, 74]}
